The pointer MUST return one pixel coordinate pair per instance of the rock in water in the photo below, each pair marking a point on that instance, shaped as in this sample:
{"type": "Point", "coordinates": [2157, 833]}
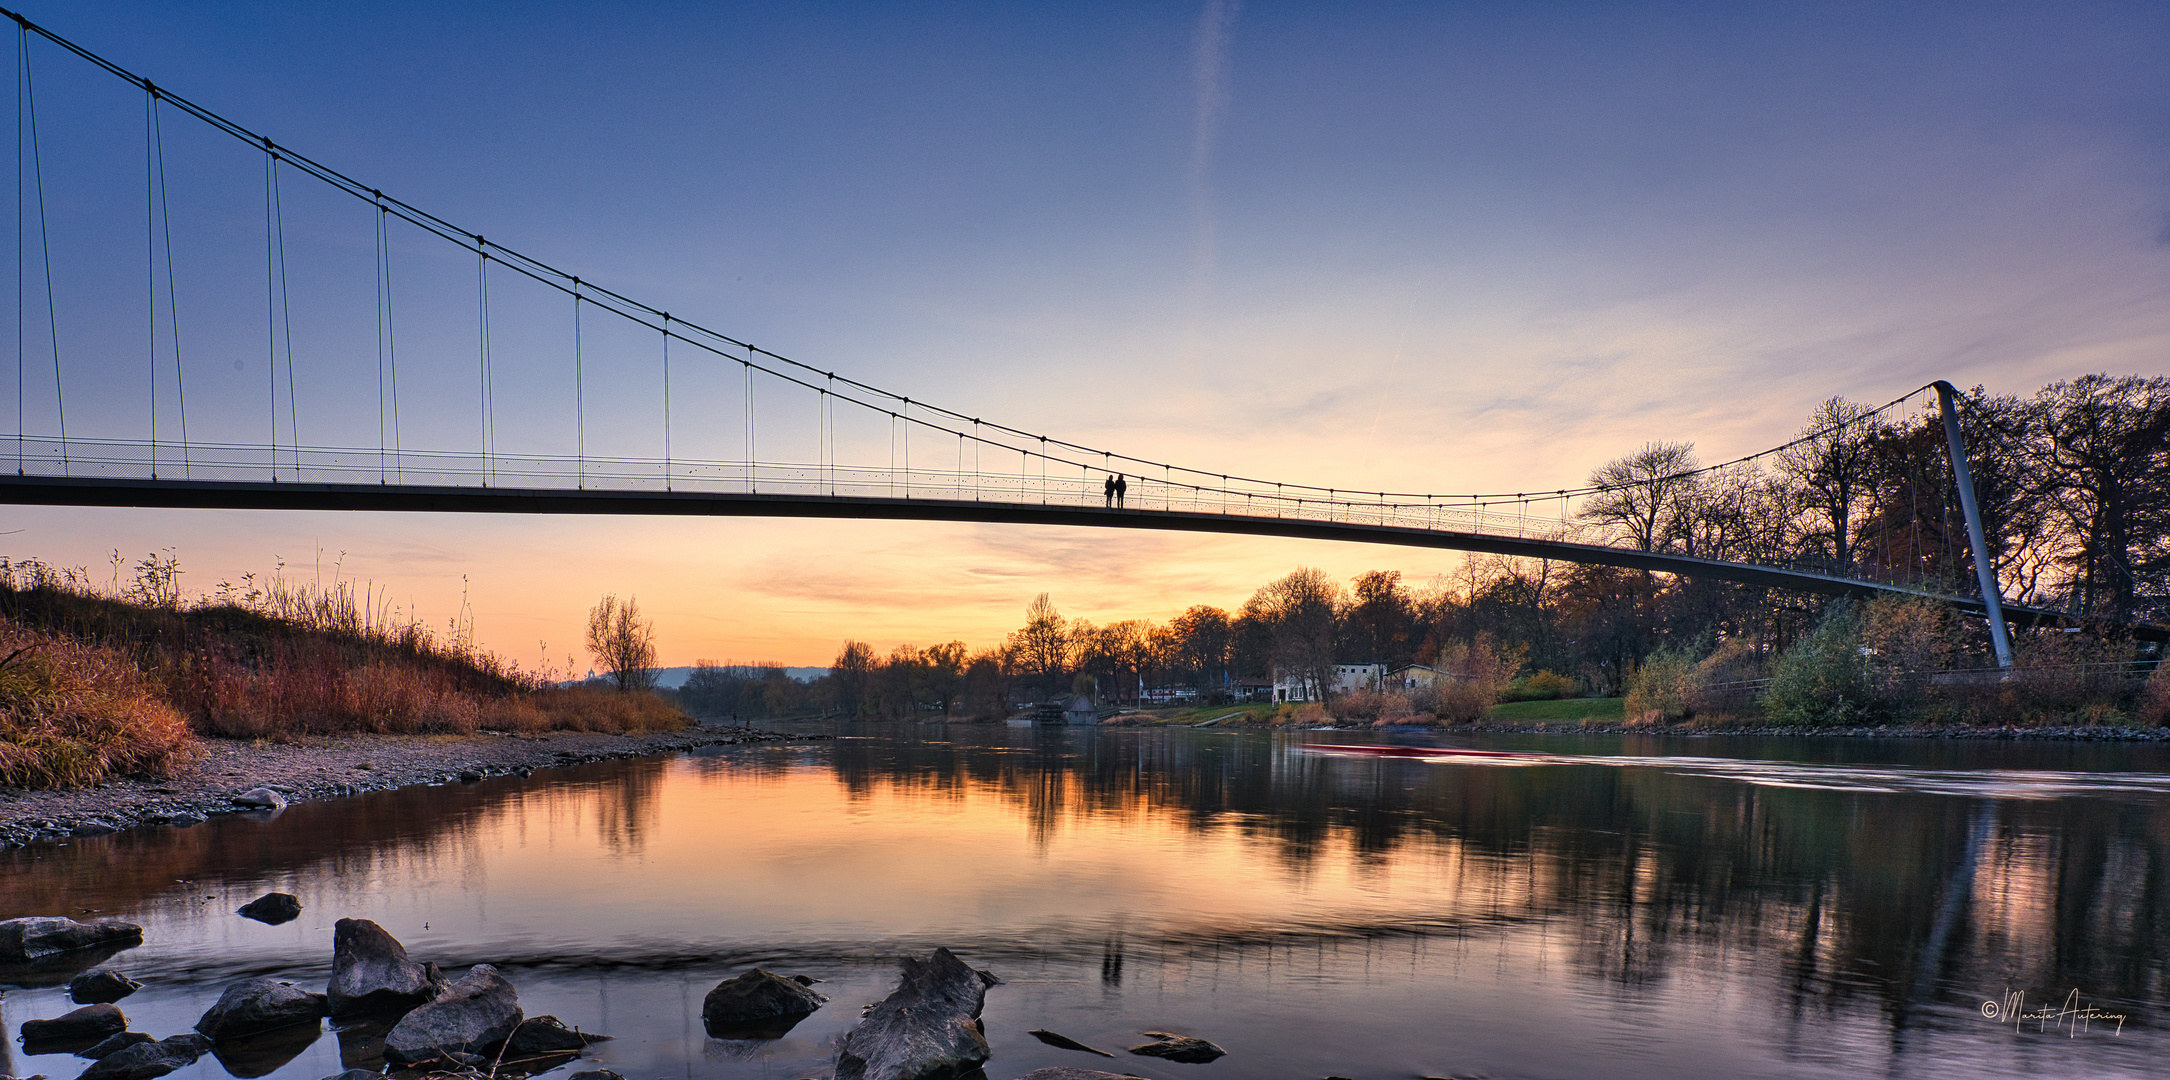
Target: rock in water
{"type": "Point", "coordinates": [928, 1027]}
{"type": "Point", "coordinates": [595, 1074]}
{"type": "Point", "coordinates": [1064, 1042]}
{"type": "Point", "coordinates": [262, 798]}
{"type": "Point", "coordinates": [1181, 1048]}
{"type": "Point", "coordinates": [145, 1061]}
{"type": "Point", "coordinates": [471, 1015]}
{"type": "Point", "coordinates": [83, 1027]}
{"type": "Point", "coordinates": [547, 1035]}
{"type": "Point", "coordinates": [272, 908]}
{"type": "Point", "coordinates": [371, 972]}
{"type": "Point", "coordinates": [112, 1044]}
{"type": "Point", "coordinates": [356, 1074]}
{"type": "Point", "coordinates": [254, 1005]}
{"type": "Point", "coordinates": [24, 940]}
{"type": "Point", "coordinates": [756, 1003]}
{"type": "Point", "coordinates": [99, 985]}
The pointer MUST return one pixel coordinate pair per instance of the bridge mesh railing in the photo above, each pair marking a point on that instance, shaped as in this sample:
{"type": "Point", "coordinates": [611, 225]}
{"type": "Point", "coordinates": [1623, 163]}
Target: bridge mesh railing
{"type": "Point", "coordinates": [125, 459]}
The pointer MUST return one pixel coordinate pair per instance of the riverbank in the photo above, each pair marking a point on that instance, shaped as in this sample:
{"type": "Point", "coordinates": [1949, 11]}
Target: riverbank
{"type": "Point", "coordinates": [323, 767]}
{"type": "Point", "coordinates": [1604, 716]}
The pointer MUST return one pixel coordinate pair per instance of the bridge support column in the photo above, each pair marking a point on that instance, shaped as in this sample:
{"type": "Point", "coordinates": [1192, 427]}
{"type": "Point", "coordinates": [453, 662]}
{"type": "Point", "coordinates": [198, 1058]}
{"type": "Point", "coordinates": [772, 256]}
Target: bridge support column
{"type": "Point", "coordinates": [1984, 573]}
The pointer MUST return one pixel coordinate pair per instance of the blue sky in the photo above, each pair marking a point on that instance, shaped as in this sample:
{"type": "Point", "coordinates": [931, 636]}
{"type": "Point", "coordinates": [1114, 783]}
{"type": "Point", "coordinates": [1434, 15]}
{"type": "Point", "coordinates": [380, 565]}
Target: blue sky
{"type": "Point", "coordinates": [1429, 247]}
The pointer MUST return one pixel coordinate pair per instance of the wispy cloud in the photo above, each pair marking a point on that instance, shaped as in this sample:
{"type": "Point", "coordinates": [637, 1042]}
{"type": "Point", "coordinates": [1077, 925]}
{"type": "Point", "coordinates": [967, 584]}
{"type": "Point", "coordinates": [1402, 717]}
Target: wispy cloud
{"type": "Point", "coordinates": [1209, 87]}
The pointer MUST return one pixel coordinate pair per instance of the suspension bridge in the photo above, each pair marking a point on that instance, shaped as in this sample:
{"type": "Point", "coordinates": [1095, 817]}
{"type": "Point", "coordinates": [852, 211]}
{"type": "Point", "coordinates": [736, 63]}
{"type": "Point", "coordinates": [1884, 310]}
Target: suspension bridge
{"type": "Point", "coordinates": [103, 410]}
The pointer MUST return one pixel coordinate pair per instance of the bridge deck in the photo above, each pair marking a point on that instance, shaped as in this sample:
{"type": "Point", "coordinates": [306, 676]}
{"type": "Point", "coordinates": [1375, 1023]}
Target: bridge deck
{"type": "Point", "coordinates": [293, 495]}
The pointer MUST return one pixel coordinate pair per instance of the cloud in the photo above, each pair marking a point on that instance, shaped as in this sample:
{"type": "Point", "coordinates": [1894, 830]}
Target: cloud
{"type": "Point", "coordinates": [1210, 93]}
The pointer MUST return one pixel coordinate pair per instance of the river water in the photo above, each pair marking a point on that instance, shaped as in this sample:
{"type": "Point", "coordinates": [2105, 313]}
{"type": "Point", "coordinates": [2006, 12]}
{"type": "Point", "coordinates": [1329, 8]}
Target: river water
{"type": "Point", "coordinates": [1623, 908]}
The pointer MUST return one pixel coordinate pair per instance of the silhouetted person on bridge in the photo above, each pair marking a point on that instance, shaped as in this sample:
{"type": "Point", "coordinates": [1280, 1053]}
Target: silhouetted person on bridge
{"type": "Point", "coordinates": [1121, 486]}
{"type": "Point", "coordinates": [1108, 491]}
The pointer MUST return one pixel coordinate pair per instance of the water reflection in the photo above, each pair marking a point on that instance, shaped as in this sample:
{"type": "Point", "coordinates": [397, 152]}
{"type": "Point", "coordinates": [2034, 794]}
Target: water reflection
{"type": "Point", "coordinates": [1627, 907]}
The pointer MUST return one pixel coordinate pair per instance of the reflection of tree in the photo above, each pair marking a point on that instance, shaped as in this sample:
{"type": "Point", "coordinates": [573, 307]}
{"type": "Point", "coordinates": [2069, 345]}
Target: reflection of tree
{"type": "Point", "coordinates": [348, 837]}
{"type": "Point", "coordinates": [1835, 894]}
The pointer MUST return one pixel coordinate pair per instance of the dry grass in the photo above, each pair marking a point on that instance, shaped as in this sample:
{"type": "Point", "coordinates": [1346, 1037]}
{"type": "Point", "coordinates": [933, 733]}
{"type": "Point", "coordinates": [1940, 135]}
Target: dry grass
{"type": "Point", "coordinates": [72, 715]}
{"type": "Point", "coordinates": [582, 708]}
{"type": "Point", "coordinates": [120, 677]}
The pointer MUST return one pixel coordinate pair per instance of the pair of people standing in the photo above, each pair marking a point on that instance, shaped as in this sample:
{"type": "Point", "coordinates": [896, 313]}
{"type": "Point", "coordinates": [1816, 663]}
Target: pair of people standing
{"type": "Point", "coordinates": [1115, 488]}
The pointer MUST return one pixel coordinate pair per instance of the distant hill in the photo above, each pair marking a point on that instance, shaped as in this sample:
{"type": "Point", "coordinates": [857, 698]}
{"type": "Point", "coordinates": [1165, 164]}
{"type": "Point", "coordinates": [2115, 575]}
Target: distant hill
{"type": "Point", "coordinates": [671, 678]}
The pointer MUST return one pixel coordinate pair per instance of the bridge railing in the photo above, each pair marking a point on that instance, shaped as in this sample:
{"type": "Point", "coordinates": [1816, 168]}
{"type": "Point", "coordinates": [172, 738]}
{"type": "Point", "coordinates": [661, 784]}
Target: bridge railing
{"type": "Point", "coordinates": [124, 459]}
{"type": "Point", "coordinates": [1064, 486]}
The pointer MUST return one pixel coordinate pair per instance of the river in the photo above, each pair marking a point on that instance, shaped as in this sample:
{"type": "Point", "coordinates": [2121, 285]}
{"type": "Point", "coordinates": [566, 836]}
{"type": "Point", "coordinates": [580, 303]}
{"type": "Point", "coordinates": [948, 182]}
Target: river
{"type": "Point", "coordinates": [1624, 908]}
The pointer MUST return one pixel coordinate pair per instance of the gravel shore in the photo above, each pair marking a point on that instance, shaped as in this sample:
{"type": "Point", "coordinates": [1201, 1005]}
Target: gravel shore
{"type": "Point", "coordinates": [324, 768]}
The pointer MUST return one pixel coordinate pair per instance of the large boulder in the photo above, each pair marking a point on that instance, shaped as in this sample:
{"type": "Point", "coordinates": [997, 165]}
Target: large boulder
{"type": "Point", "coordinates": [471, 1015]}
{"type": "Point", "coordinates": [272, 908]}
{"type": "Point", "coordinates": [255, 1005]}
{"type": "Point", "coordinates": [100, 985]}
{"type": "Point", "coordinates": [83, 1027]}
{"type": "Point", "coordinates": [757, 1003]}
{"type": "Point", "coordinates": [148, 1060]}
{"type": "Point", "coordinates": [928, 1027]}
{"type": "Point", "coordinates": [40, 936]}
{"type": "Point", "coordinates": [371, 972]}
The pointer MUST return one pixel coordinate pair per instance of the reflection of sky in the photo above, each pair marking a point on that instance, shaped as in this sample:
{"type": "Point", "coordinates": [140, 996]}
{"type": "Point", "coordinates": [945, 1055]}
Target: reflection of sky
{"type": "Point", "coordinates": [1368, 917]}
{"type": "Point", "coordinates": [1483, 246]}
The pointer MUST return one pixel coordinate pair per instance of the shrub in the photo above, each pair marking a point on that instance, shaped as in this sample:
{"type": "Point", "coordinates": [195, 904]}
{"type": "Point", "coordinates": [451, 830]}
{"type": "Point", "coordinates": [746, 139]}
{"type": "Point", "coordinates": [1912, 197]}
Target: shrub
{"type": "Point", "coordinates": [2154, 707]}
{"type": "Point", "coordinates": [1472, 678]}
{"type": "Point", "coordinates": [1543, 686]}
{"type": "Point", "coordinates": [1662, 688]}
{"type": "Point", "coordinates": [1822, 679]}
{"type": "Point", "coordinates": [1909, 640]}
{"type": "Point", "coordinates": [72, 715]}
{"type": "Point", "coordinates": [1359, 705]}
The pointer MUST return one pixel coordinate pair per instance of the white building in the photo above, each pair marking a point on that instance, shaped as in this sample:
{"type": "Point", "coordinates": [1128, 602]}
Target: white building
{"type": "Point", "coordinates": [1412, 677]}
{"type": "Point", "coordinates": [1347, 679]}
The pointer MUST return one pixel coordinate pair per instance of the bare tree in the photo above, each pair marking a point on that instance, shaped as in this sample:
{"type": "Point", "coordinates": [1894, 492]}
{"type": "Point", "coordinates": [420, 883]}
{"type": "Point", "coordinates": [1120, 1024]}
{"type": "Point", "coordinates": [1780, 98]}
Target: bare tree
{"type": "Point", "coordinates": [851, 677]}
{"type": "Point", "coordinates": [2106, 444]}
{"type": "Point", "coordinates": [943, 668]}
{"type": "Point", "coordinates": [623, 643]}
{"type": "Point", "coordinates": [1834, 466]}
{"type": "Point", "coordinates": [1042, 646]}
{"type": "Point", "coordinates": [1300, 611]}
{"type": "Point", "coordinates": [1643, 492]}
{"type": "Point", "coordinates": [1203, 639]}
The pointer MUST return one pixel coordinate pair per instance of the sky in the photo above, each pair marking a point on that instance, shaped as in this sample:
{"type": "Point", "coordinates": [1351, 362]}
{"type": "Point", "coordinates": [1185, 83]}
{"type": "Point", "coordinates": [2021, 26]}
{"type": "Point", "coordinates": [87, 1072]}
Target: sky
{"type": "Point", "coordinates": [1428, 247]}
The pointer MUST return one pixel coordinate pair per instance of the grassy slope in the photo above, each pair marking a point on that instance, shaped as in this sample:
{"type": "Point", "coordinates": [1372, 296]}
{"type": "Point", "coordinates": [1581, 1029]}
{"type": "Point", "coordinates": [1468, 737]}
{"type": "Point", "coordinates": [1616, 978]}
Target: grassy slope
{"type": "Point", "coordinates": [1568, 710]}
{"type": "Point", "coordinates": [98, 687]}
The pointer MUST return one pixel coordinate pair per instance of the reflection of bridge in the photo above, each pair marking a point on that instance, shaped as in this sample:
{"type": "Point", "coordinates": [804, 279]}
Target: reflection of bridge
{"type": "Point", "coordinates": [761, 434]}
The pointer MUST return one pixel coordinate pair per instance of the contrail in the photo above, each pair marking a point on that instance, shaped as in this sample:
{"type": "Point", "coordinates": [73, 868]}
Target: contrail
{"type": "Point", "coordinates": [1209, 80]}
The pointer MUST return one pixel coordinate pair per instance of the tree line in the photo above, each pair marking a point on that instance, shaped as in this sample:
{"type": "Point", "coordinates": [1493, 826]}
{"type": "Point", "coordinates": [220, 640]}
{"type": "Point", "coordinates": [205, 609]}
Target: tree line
{"type": "Point", "coordinates": [2073, 484]}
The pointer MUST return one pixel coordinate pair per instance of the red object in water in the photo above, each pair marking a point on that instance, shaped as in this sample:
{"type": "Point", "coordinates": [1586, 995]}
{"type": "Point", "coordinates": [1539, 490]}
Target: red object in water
{"type": "Point", "coordinates": [1416, 751]}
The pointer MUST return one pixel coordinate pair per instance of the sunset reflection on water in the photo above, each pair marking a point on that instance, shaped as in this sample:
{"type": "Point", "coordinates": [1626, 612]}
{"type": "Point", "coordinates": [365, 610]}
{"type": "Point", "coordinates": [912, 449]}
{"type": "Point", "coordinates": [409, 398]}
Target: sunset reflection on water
{"type": "Point", "coordinates": [1698, 909]}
